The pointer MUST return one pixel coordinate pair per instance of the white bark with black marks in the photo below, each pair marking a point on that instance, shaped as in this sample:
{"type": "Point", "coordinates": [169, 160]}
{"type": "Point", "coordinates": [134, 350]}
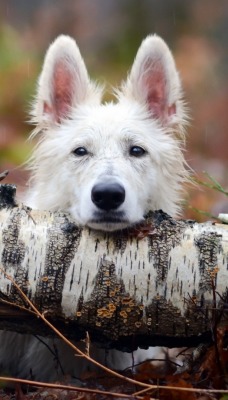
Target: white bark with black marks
{"type": "Point", "coordinates": [154, 284]}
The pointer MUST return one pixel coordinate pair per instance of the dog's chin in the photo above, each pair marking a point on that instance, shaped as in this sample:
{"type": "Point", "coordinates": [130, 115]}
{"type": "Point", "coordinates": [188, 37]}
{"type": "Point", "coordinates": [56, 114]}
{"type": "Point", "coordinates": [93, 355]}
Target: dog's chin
{"type": "Point", "coordinates": [109, 222]}
{"type": "Point", "coordinates": [108, 226]}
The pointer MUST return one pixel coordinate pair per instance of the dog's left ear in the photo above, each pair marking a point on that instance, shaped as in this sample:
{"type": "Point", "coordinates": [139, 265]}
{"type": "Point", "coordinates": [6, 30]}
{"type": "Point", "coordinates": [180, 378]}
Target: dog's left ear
{"type": "Point", "coordinates": [154, 80]}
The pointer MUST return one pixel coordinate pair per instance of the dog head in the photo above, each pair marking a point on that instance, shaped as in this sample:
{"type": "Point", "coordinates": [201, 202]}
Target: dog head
{"type": "Point", "coordinates": [108, 164]}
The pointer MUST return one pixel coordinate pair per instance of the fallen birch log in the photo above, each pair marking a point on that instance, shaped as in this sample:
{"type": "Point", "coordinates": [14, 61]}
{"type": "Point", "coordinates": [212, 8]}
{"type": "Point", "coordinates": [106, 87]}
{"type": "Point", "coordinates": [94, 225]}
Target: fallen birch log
{"type": "Point", "coordinates": [162, 283]}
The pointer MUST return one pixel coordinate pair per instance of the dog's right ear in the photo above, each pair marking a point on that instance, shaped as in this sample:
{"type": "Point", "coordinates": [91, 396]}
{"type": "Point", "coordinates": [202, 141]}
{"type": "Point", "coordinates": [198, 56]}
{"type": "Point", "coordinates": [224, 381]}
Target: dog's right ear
{"type": "Point", "coordinates": [63, 84]}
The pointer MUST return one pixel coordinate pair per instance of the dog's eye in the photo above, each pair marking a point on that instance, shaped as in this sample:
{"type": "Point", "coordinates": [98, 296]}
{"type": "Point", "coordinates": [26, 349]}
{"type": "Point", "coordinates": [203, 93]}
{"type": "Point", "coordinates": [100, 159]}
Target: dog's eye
{"type": "Point", "coordinates": [80, 151]}
{"type": "Point", "coordinates": [137, 151]}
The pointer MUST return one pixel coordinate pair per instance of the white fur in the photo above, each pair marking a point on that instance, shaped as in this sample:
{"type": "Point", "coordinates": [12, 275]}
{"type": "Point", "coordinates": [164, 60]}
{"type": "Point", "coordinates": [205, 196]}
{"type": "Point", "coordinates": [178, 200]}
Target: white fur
{"type": "Point", "coordinates": [61, 180]}
{"type": "Point", "coordinates": [68, 114]}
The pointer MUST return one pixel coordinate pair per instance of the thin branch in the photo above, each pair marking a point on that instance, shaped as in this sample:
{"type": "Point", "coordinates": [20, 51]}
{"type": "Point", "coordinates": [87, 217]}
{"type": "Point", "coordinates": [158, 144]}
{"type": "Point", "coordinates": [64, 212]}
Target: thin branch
{"type": "Point", "coordinates": [3, 175]}
{"type": "Point", "coordinates": [82, 389]}
{"type": "Point", "coordinates": [215, 185]}
{"type": "Point", "coordinates": [184, 389]}
{"type": "Point", "coordinates": [63, 387]}
{"type": "Point", "coordinates": [53, 352]}
{"type": "Point", "coordinates": [22, 308]}
{"type": "Point", "coordinates": [205, 213]}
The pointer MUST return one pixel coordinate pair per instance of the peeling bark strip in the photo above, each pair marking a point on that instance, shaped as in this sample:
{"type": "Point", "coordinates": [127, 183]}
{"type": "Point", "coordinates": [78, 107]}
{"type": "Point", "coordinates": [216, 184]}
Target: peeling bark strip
{"type": "Point", "coordinates": [151, 283]}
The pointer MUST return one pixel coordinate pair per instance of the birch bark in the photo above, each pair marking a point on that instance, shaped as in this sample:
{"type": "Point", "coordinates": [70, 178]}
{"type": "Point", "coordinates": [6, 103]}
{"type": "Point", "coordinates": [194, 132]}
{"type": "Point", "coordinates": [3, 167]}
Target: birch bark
{"type": "Point", "coordinates": [163, 282]}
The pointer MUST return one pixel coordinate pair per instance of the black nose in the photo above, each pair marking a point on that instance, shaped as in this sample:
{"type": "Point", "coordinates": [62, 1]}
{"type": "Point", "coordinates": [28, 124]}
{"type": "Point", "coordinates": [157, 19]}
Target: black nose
{"type": "Point", "coordinates": [108, 196]}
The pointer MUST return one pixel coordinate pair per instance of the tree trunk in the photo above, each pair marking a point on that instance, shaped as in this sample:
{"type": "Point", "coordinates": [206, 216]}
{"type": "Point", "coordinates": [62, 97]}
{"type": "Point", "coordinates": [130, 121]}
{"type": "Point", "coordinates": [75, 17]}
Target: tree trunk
{"type": "Point", "coordinates": [163, 282]}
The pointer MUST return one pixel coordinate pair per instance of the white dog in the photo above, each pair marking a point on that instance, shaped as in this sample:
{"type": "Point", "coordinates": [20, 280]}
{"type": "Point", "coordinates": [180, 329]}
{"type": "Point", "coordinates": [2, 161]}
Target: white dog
{"type": "Point", "coordinates": [107, 164]}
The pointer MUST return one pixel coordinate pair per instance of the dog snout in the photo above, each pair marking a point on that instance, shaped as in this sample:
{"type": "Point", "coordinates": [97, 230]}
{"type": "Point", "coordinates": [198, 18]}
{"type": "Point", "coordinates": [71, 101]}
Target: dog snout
{"type": "Point", "coordinates": [108, 196]}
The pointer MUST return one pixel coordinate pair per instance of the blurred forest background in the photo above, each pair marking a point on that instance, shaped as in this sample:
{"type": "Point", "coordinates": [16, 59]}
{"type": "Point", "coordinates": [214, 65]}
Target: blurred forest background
{"type": "Point", "coordinates": [109, 33]}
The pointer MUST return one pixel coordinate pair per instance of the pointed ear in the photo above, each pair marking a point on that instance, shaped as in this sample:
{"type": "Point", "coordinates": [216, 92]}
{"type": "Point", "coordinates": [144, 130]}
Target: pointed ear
{"type": "Point", "coordinates": [63, 83]}
{"type": "Point", "coordinates": [154, 80]}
